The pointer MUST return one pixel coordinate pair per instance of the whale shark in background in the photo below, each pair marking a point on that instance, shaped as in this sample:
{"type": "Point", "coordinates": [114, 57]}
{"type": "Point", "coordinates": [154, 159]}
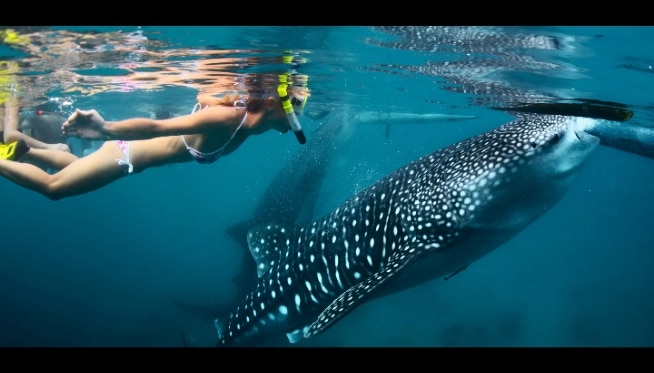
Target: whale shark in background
{"type": "Point", "coordinates": [431, 218]}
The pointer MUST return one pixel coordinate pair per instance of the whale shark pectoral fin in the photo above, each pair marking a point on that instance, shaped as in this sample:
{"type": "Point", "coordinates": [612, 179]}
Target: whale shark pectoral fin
{"type": "Point", "coordinates": [353, 297]}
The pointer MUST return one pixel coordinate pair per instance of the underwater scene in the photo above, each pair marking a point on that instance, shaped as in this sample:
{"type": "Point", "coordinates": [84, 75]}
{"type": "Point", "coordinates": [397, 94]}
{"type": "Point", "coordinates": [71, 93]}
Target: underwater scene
{"type": "Point", "coordinates": [327, 186]}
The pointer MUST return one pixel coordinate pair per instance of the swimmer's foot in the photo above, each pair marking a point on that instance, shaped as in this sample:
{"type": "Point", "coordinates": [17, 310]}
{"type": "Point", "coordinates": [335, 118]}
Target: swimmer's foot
{"type": "Point", "coordinates": [14, 150]}
{"type": "Point", "coordinates": [21, 149]}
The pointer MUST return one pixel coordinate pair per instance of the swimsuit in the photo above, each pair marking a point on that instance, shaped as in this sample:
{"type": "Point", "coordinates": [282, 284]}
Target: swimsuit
{"type": "Point", "coordinates": [199, 156]}
{"type": "Point", "coordinates": [213, 156]}
{"type": "Point", "coordinates": [124, 147]}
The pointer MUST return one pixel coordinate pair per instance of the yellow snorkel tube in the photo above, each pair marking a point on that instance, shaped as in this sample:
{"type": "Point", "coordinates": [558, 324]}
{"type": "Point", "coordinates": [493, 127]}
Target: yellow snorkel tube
{"type": "Point", "coordinates": [288, 108]}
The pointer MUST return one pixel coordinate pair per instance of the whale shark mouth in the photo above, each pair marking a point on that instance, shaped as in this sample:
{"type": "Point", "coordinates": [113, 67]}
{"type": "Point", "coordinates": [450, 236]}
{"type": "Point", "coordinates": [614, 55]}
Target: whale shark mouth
{"type": "Point", "coordinates": [581, 127]}
{"type": "Point", "coordinates": [584, 136]}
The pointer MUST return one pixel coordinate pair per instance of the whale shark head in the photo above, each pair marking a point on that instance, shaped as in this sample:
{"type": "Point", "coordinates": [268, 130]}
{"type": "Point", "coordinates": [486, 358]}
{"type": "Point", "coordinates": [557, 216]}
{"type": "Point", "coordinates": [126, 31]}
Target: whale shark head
{"type": "Point", "coordinates": [430, 218]}
{"type": "Point", "coordinates": [534, 162]}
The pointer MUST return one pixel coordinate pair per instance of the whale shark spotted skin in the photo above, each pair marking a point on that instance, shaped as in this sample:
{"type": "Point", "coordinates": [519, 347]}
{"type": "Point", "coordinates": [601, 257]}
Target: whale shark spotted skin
{"type": "Point", "coordinates": [428, 219]}
{"type": "Point", "coordinates": [302, 178]}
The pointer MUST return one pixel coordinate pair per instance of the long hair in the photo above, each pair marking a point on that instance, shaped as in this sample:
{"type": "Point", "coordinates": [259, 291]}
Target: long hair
{"type": "Point", "coordinates": [255, 100]}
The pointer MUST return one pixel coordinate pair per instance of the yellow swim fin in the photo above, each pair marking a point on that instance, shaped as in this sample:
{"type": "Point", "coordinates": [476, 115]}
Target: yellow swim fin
{"type": "Point", "coordinates": [13, 150]}
{"type": "Point", "coordinates": [7, 151]}
{"type": "Point", "coordinates": [10, 36]}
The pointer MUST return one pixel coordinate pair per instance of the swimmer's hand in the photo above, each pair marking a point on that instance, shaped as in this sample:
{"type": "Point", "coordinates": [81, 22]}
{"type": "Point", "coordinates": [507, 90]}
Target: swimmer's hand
{"type": "Point", "coordinates": [59, 147]}
{"type": "Point", "coordinates": [85, 124]}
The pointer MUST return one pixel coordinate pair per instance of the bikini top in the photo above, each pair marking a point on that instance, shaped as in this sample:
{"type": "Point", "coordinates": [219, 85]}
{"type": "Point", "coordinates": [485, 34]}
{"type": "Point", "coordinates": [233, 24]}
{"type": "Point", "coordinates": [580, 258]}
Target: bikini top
{"type": "Point", "coordinates": [206, 158]}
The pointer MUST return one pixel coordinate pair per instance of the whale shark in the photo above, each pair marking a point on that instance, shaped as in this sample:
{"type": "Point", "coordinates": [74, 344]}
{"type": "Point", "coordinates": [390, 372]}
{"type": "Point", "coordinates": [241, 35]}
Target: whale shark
{"type": "Point", "coordinates": [427, 220]}
{"type": "Point", "coordinates": [291, 196]}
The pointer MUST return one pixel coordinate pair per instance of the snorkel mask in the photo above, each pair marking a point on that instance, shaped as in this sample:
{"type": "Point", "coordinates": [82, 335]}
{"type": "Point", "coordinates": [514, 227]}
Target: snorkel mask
{"type": "Point", "coordinates": [291, 107]}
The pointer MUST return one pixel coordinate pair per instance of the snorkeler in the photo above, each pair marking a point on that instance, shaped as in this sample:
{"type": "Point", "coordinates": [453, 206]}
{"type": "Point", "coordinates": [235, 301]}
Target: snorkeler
{"type": "Point", "coordinates": [133, 145]}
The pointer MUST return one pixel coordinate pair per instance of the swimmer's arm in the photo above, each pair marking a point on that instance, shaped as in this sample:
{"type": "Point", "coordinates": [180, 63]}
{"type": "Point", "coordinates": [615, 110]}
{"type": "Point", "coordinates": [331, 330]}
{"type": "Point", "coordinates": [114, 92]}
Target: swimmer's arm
{"type": "Point", "coordinates": [11, 136]}
{"type": "Point", "coordinates": [89, 124]}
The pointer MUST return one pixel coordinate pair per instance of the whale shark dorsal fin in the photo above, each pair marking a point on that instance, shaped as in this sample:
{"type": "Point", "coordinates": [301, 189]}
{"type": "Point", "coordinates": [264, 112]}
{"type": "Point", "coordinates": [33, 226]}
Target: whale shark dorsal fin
{"type": "Point", "coordinates": [355, 295]}
{"type": "Point", "coordinates": [265, 244]}
{"type": "Point", "coordinates": [239, 231]}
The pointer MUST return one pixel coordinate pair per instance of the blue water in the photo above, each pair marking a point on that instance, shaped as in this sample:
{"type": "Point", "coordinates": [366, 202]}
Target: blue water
{"type": "Point", "coordinates": [107, 268]}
